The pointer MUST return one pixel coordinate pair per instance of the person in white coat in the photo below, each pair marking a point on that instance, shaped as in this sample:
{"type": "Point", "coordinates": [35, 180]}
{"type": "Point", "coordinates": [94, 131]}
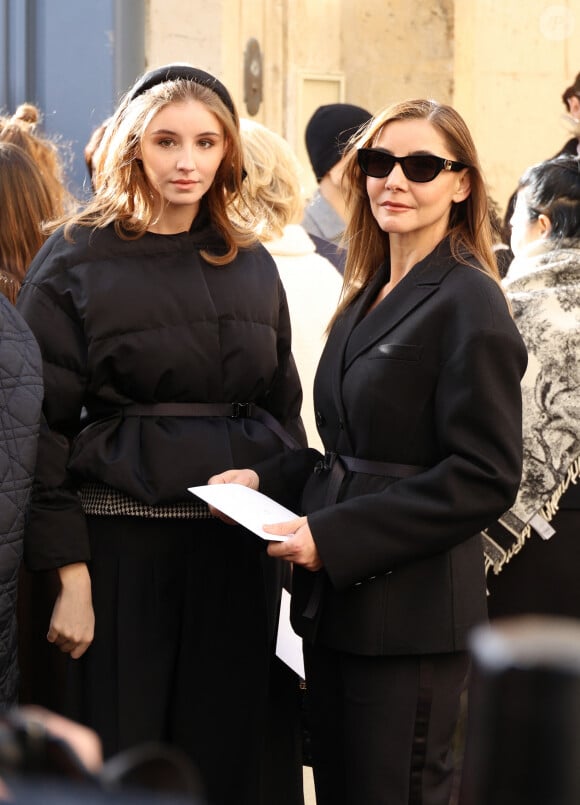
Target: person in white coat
{"type": "Point", "coordinates": [275, 201]}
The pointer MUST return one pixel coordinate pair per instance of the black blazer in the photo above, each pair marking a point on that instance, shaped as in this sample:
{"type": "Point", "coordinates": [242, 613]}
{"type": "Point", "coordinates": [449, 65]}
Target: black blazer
{"type": "Point", "coordinates": [430, 377]}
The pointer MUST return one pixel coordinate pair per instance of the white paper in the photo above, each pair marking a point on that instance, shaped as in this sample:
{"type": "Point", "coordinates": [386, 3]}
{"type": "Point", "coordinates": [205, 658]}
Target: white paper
{"type": "Point", "coordinates": [288, 644]}
{"type": "Point", "coordinates": [246, 506]}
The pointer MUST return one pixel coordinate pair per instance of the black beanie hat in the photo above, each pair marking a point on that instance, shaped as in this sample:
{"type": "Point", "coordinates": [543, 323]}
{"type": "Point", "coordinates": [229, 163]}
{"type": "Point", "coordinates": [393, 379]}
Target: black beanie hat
{"type": "Point", "coordinates": [328, 131]}
{"type": "Point", "coordinates": [173, 72]}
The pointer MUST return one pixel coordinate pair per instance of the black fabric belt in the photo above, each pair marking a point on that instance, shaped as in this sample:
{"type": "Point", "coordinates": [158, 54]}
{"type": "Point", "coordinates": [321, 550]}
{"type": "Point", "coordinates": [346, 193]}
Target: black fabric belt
{"type": "Point", "coordinates": [235, 410]}
{"type": "Point", "coordinates": [337, 465]}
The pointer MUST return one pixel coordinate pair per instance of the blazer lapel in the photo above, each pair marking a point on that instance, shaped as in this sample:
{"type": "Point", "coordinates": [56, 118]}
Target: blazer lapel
{"type": "Point", "coordinates": [410, 293]}
{"type": "Point", "coordinates": [354, 332]}
{"type": "Point", "coordinates": [339, 336]}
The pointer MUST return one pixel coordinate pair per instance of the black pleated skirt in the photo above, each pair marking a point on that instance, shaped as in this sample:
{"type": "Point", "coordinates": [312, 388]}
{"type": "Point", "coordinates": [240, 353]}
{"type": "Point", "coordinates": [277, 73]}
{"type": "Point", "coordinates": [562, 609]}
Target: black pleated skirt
{"type": "Point", "coordinates": [182, 645]}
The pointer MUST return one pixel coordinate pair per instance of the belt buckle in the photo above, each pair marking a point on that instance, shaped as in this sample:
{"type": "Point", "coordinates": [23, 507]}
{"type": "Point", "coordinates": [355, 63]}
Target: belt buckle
{"type": "Point", "coordinates": [241, 410]}
{"type": "Point", "coordinates": [326, 463]}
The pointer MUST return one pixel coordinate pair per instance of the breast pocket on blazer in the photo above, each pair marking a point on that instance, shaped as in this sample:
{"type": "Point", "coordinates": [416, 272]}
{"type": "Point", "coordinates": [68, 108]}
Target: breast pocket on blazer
{"type": "Point", "coordinates": [398, 352]}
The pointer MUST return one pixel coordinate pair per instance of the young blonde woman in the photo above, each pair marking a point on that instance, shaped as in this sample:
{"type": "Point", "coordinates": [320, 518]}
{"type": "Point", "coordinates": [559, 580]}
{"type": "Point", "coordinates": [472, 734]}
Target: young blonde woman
{"type": "Point", "coordinates": [418, 402]}
{"type": "Point", "coordinates": [165, 336]}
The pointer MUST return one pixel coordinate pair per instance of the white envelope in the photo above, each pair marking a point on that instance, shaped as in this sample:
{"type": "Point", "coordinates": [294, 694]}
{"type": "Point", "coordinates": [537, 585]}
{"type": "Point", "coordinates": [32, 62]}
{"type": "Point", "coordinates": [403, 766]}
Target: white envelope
{"type": "Point", "coordinates": [246, 506]}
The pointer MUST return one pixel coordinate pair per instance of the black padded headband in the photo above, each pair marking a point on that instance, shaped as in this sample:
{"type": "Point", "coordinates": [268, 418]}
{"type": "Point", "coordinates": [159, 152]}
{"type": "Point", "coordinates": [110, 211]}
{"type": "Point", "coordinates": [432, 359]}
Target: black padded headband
{"type": "Point", "coordinates": [173, 72]}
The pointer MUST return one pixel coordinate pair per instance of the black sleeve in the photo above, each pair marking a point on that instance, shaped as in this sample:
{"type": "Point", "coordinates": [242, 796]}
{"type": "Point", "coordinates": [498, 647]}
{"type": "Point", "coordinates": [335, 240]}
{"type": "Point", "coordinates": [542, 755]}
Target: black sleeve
{"type": "Point", "coordinates": [284, 397]}
{"type": "Point", "coordinates": [283, 477]}
{"type": "Point", "coordinates": [478, 417]}
{"type": "Point", "coordinates": [56, 534]}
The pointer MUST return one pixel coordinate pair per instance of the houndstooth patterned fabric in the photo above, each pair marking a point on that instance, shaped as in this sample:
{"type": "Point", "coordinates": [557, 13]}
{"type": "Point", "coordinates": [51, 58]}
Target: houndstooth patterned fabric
{"type": "Point", "coordinates": [100, 499]}
{"type": "Point", "coordinates": [20, 405]}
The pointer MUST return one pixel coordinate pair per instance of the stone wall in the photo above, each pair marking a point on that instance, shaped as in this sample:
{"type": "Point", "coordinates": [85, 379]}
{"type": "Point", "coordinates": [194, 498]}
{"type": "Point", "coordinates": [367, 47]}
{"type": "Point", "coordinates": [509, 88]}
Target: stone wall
{"type": "Point", "coordinates": [502, 64]}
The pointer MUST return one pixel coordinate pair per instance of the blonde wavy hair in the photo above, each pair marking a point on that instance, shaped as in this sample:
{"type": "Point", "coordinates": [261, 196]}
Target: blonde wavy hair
{"type": "Point", "coordinates": [272, 195]}
{"type": "Point", "coordinates": [122, 194]}
{"type": "Point", "coordinates": [469, 230]}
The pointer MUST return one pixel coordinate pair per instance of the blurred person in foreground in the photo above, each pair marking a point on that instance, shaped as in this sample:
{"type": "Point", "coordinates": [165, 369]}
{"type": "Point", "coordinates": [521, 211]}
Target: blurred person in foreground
{"type": "Point", "coordinates": [47, 759]}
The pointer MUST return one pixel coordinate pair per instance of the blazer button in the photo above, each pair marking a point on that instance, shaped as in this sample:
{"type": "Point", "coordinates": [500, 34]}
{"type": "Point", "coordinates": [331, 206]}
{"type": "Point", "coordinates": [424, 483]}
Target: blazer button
{"type": "Point", "coordinates": [319, 419]}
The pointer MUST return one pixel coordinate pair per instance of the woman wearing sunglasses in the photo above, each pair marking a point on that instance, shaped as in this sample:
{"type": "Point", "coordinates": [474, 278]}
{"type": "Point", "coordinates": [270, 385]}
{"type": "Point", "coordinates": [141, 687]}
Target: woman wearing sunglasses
{"type": "Point", "coordinates": [418, 404]}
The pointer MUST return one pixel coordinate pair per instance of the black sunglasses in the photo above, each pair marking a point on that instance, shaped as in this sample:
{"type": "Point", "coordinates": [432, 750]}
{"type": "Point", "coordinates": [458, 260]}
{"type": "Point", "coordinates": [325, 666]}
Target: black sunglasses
{"type": "Point", "coordinates": [417, 168]}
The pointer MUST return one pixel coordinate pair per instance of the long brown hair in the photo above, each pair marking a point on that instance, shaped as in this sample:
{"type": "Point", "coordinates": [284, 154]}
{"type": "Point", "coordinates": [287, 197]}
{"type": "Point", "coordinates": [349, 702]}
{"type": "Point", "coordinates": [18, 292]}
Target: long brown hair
{"type": "Point", "coordinates": [25, 203]}
{"type": "Point", "coordinates": [122, 193]}
{"type": "Point", "coordinates": [469, 224]}
{"type": "Point", "coordinates": [21, 129]}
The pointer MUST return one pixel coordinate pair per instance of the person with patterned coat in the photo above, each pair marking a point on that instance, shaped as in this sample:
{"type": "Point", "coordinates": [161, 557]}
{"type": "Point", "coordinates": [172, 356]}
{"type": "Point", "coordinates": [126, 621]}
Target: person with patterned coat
{"type": "Point", "coordinates": [21, 400]}
{"type": "Point", "coordinates": [533, 551]}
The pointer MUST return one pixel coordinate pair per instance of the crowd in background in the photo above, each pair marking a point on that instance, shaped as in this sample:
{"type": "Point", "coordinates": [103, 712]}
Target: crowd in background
{"type": "Point", "coordinates": [393, 359]}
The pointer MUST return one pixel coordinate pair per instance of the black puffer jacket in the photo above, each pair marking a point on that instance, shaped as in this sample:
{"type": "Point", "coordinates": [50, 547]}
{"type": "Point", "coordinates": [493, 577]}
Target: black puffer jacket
{"type": "Point", "coordinates": [150, 321]}
{"type": "Point", "coordinates": [20, 405]}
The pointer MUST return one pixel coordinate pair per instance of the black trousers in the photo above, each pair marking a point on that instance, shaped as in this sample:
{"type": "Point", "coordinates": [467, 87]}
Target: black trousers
{"type": "Point", "coordinates": [182, 650]}
{"type": "Point", "coordinates": [383, 727]}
